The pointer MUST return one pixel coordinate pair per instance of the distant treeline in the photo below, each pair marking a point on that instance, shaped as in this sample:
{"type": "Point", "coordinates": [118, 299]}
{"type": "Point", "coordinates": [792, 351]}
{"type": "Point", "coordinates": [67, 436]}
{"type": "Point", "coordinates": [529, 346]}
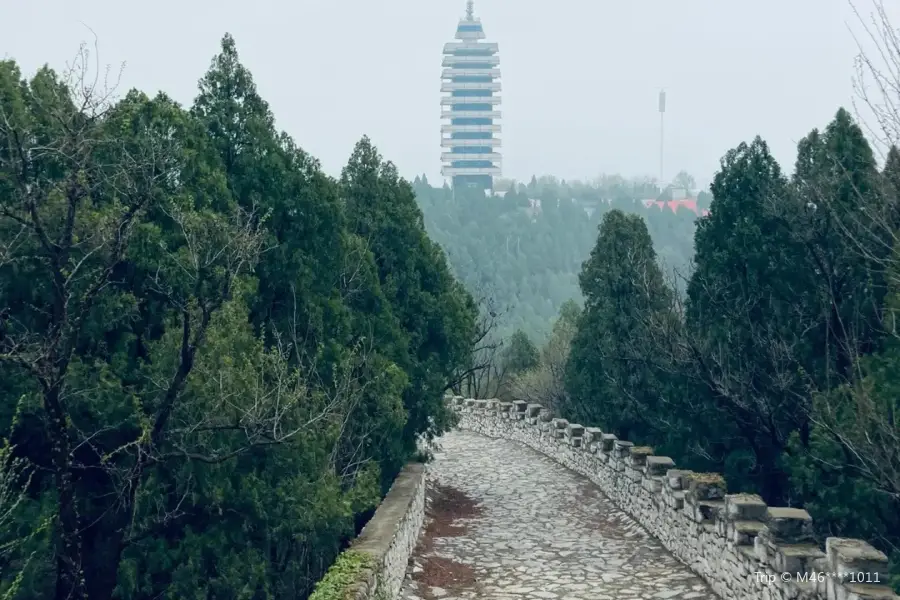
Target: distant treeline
{"type": "Point", "coordinates": [525, 256]}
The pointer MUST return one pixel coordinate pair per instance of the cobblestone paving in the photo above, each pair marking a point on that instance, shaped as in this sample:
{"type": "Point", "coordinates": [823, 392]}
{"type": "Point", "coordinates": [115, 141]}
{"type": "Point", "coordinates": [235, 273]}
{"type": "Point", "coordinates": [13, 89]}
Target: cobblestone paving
{"type": "Point", "coordinates": [538, 531]}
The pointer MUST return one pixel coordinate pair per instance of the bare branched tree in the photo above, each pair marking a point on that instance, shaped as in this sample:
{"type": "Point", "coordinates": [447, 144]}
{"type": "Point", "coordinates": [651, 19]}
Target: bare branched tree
{"type": "Point", "coordinates": [485, 374]}
{"type": "Point", "coordinates": [545, 383]}
{"type": "Point", "coordinates": [877, 74]}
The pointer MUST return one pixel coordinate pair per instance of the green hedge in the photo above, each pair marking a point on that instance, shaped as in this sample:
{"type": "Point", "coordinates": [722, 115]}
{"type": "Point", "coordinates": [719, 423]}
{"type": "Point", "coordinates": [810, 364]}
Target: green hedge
{"type": "Point", "coordinates": [343, 573]}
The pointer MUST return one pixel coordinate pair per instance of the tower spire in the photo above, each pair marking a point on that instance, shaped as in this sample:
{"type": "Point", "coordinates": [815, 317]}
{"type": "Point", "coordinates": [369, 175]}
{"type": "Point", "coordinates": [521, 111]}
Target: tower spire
{"type": "Point", "coordinates": [470, 10]}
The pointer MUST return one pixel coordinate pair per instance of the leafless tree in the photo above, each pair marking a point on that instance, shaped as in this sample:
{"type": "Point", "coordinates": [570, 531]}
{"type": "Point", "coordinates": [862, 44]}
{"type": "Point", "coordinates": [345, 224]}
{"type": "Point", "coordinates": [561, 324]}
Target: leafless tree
{"type": "Point", "coordinates": [488, 373]}
{"type": "Point", "coordinates": [877, 73]}
{"type": "Point", "coordinates": [485, 373]}
{"type": "Point", "coordinates": [545, 383]}
{"type": "Point", "coordinates": [873, 231]}
{"type": "Point", "coordinates": [685, 181]}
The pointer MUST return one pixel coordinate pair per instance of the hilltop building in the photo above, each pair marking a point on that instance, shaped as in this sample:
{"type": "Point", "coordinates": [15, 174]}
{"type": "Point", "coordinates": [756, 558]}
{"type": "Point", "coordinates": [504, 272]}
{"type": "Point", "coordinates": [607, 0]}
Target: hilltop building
{"type": "Point", "coordinates": [470, 80]}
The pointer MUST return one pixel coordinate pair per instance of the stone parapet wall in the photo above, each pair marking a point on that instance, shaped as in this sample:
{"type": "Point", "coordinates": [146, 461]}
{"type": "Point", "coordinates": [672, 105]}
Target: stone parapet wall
{"type": "Point", "coordinates": [374, 565]}
{"type": "Point", "coordinates": [743, 548]}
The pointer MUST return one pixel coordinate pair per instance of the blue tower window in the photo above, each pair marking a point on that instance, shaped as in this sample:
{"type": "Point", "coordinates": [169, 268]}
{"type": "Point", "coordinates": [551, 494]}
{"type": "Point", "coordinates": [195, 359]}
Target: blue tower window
{"type": "Point", "coordinates": [472, 135]}
{"type": "Point", "coordinates": [473, 79]}
{"type": "Point", "coordinates": [472, 121]}
{"type": "Point", "coordinates": [474, 52]}
{"type": "Point", "coordinates": [473, 107]}
{"type": "Point", "coordinates": [472, 93]}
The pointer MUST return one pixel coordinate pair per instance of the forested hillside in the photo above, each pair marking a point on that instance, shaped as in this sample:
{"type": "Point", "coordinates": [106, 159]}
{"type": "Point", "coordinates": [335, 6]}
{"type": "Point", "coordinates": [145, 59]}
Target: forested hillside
{"type": "Point", "coordinates": [214, 358]}
{"type": "Point", "coordinates": [778, 366]}
{"type": "Point", "coordinates": [524, 257]}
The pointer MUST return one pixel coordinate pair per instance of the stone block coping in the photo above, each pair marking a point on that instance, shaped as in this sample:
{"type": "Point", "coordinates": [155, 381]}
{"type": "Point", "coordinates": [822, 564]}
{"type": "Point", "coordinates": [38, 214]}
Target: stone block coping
{"type": "Point", "coordinates": [374, 565]}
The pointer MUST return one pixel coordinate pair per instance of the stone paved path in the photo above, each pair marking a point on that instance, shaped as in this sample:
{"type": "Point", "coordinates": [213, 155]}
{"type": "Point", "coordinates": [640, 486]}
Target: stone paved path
{"type": "Point", "coordinates": [506, 522]}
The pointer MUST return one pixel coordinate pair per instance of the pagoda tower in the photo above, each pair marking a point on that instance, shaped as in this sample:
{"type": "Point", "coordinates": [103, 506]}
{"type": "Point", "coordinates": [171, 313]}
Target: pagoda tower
{"type": "Point", "coordinates": [470, 84]}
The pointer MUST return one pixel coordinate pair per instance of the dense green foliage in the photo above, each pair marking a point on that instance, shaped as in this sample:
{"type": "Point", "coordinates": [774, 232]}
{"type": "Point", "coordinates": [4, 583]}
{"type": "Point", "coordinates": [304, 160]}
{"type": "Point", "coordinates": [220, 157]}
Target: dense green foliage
{"type": "Point", "coordinates": [346, 570]}
{"type": "Point", "coordinates": [611, 335]}
{"type": "Point", "coordinates": [213, 357]}
{"type": "Point", "coordinates": [778, 366]}
{"type": "Point", "coordinates": [526, 259]}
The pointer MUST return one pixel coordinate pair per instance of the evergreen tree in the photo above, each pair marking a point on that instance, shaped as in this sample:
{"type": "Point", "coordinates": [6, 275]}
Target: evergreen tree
{"type": "Point", "coordinates": [840, 224]}
{"type": "Point", "coordinates": [610, 375]}
{"type": "Point", "coordinates": [521, 354]}
{"type": "Point", "coordinates": [430, 305]}
{"type": "Point", "coordinates": [842, 468]}
{"type": "Point", "coordinates": [299, 277]}
{"type": "Point", "coordinates": [742, 317]}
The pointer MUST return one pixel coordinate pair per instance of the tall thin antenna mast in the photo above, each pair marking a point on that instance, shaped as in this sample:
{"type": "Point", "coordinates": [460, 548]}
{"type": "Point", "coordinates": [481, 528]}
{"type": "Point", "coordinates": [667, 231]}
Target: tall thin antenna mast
{"type": "Point", "coordinates": [470, 10]}
{"type": "Point", "coordinates": [662, 130]}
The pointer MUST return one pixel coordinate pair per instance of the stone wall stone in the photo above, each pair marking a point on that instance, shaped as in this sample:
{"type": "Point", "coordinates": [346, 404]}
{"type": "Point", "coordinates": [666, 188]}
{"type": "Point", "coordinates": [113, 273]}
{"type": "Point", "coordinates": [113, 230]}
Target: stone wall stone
{"type": "Point", "coordinates": [743, 548]}
{"type": "Point", "coordinates": [384, 545]}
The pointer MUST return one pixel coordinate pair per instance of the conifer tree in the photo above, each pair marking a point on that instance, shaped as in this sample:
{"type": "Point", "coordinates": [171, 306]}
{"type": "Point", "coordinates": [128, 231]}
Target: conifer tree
{"type": "Point", "coordinates": [610, 374]}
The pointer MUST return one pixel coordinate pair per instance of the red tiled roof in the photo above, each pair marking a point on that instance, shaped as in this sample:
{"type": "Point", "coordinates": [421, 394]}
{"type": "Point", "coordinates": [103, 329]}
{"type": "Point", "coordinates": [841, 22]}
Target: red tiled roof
{"type": "Point", "coordinates": [673, 205]}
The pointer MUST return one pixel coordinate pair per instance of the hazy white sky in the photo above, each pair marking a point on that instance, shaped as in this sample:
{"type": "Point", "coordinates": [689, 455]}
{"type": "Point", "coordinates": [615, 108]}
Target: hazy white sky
{"type": "Point", "coordinates": [580, 77]}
